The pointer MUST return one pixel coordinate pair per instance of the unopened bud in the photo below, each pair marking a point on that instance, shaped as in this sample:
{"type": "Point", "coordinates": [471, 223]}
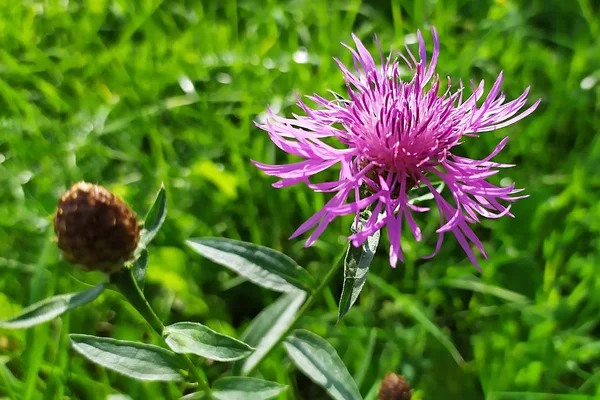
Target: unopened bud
{"type": "Point", "coordinates": [394, 387]}
{"type": "Point", "coordinates": [95, 228]}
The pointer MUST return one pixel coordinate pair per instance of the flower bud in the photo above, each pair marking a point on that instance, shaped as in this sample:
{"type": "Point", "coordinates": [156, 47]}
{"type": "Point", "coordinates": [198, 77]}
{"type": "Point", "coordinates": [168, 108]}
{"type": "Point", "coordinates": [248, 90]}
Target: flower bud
{"type": "Point", "coordinates": [394, 387]}
{"type": "Point", "coordinates": [95, 228]}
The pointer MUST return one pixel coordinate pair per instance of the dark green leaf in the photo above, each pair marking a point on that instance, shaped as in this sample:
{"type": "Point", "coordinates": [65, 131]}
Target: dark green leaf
{"type": "Point", "coordinates": [244, 388]}
{"type": "Point", "coordinates": [263, 266]}
{"type": "Point", "coordinates": [155, 218]}
{"type": "Point", "coordinates": [136, 360]}
{"type": "Point", "coordinates": [268, 327]}
{"type": "Point", "coordinates": [194, 338]}
{"type": "Point", "coordinates": [320, 362]}
{"type": "Point", "coordinates": [356, 267]}
{"type": "Point", "coordinates": [52, 307]}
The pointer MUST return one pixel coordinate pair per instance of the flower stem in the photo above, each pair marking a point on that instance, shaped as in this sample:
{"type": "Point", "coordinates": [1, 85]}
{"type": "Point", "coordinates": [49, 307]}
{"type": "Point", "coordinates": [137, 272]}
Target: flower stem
{"type": "Point", "coordinates": [129, 288]}
{"type": "Point", "coordinates": [306, 306]}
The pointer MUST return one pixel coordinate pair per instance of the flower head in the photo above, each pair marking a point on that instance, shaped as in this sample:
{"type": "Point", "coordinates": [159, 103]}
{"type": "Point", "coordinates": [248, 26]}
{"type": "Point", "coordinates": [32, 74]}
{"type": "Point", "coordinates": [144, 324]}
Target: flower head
{"type": "Point", "coordinates": [95, 228]}
{"type": "Point", "coordinates": [396, 135]}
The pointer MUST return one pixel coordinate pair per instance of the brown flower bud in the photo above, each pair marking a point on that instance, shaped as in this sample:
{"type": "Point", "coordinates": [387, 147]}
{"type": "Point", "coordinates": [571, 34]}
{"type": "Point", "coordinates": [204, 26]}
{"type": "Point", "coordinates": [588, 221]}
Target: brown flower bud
{"type": "Point", "coordinates": [95, 228]}
{"type": "Point", "coordinates": [394, 387]}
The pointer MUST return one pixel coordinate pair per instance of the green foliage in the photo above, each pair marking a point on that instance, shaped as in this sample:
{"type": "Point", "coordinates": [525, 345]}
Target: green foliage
{"type": "Point", "coordinates": [132, 93]}
{"type": "Point", "coordinates": [260, 265]}
{"type": "Point", "coordinates": [152, 223]}
{"type": "Point", "coordinates": [320, 362]}
{"type": "Point", "coordinates": [48, 309]}
{"type": "Point", "coordinates": [139, 268]}
{"type": "Point", "coordinates": [136, 360]}
{"type": "Point", "coordinates": [155, 218]}
{"type": "Point", "coordinates": [244, 388]}
{"type": "Point", "coordinates": [356, 267]}
{"type": "Point", "coordinates": [194, 338]}
{"type": "Point", "coordinates": [266, 330]}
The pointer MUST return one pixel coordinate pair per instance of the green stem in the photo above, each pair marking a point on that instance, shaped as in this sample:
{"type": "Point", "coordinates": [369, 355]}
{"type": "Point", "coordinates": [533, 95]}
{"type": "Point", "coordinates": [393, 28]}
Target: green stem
{"type": "Point", "coordinates": [306, 306]}
{"type": "Point", "coordinates": [129, 288]}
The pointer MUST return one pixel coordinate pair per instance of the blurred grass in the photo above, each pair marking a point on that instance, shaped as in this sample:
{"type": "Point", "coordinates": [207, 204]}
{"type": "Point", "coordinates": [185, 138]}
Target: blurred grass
{"type": "Point", "coordinates": [128, 94]}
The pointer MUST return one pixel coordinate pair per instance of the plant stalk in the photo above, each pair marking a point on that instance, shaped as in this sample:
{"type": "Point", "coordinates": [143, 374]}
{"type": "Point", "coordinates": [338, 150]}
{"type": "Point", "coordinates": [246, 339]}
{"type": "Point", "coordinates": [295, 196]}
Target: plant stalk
{"type": "Point", "coordinates": [129, 288]}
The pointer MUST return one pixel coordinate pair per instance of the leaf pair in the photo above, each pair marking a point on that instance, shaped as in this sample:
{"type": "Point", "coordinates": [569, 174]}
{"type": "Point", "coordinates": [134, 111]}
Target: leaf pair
{"type": "Point", "coordinates": [269, 269]}
{"type": "Point", "coordinates": [272, 270]}
{"type": "Point", "coordinates": [152, 363]}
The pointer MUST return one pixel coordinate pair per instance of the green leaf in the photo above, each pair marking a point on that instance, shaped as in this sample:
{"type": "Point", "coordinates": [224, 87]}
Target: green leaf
{"type": "Point", "coordinates": [194, 338]}
{"type": "Point", "coordinates": [263, 266]}
{"type": "Point", "coordinates": [194, 396]}
{"type": "Point", "coordinates": [139, 269]}
{"type": "Point", "coordinates": [155, 217]}
{"type": "Point", "coordinates": [52, 307]}
{"type": "Point", "coordinates": [244, 388]}
{"type": "Point", "coordinates": [136, 360]}
{"type": "Point", "coordinates": [320, 362]}
{"type": "Point", "coordinates": [356, 267]}
{"type": "Point", "coordinates": [268, 327]}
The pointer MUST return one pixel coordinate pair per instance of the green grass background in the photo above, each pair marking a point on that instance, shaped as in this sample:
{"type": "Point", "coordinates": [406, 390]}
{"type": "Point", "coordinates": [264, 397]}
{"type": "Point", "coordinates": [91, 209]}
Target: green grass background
{"type": "Point", "coordinates": [94, 90]}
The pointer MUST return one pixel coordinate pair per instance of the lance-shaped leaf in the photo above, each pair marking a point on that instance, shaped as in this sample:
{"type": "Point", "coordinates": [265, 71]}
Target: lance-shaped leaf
{"type": "Point", "coordinates": [319, 361]}
{"type": "Point", "coordinates": [195, 338]}
{"type": "Point", "coordinates": [155, 218]}
{"type": "Point", "coordinates": [244, 388]}
{"type": "Point", "coordinates": [268, 327]}
{"type": "Point", "coordinates": [263, 266]}
{"type": "Point", "coordinates": [137, 360]}
{"type": "Point", "coordinates": [356, 267]}
{"type": "Point", "coordinates": [52, 307]}
{"type": "Point", "coordinates": [139, 269]}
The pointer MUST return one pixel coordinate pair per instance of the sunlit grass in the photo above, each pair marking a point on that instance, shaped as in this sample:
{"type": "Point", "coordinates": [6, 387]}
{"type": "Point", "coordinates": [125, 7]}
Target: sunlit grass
{"type": "Point", "coordinates": [129, 94]}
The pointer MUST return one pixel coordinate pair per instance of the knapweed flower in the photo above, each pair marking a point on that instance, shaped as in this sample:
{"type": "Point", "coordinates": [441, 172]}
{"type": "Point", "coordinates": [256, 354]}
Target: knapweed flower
{"type": "Point", "coordinates": [396, 135]}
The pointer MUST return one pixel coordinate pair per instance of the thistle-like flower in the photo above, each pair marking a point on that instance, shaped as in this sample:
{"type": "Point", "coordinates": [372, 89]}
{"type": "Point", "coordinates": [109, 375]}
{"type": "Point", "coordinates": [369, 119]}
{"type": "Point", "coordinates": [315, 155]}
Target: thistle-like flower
{"type": "Point", "coordinates": [394, 136]}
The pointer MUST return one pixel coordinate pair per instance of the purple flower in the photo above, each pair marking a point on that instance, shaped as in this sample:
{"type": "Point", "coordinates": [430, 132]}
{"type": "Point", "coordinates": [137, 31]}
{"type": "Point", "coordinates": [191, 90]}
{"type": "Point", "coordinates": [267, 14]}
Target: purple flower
{"type": "Point", "coordinates": [397, 135]}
